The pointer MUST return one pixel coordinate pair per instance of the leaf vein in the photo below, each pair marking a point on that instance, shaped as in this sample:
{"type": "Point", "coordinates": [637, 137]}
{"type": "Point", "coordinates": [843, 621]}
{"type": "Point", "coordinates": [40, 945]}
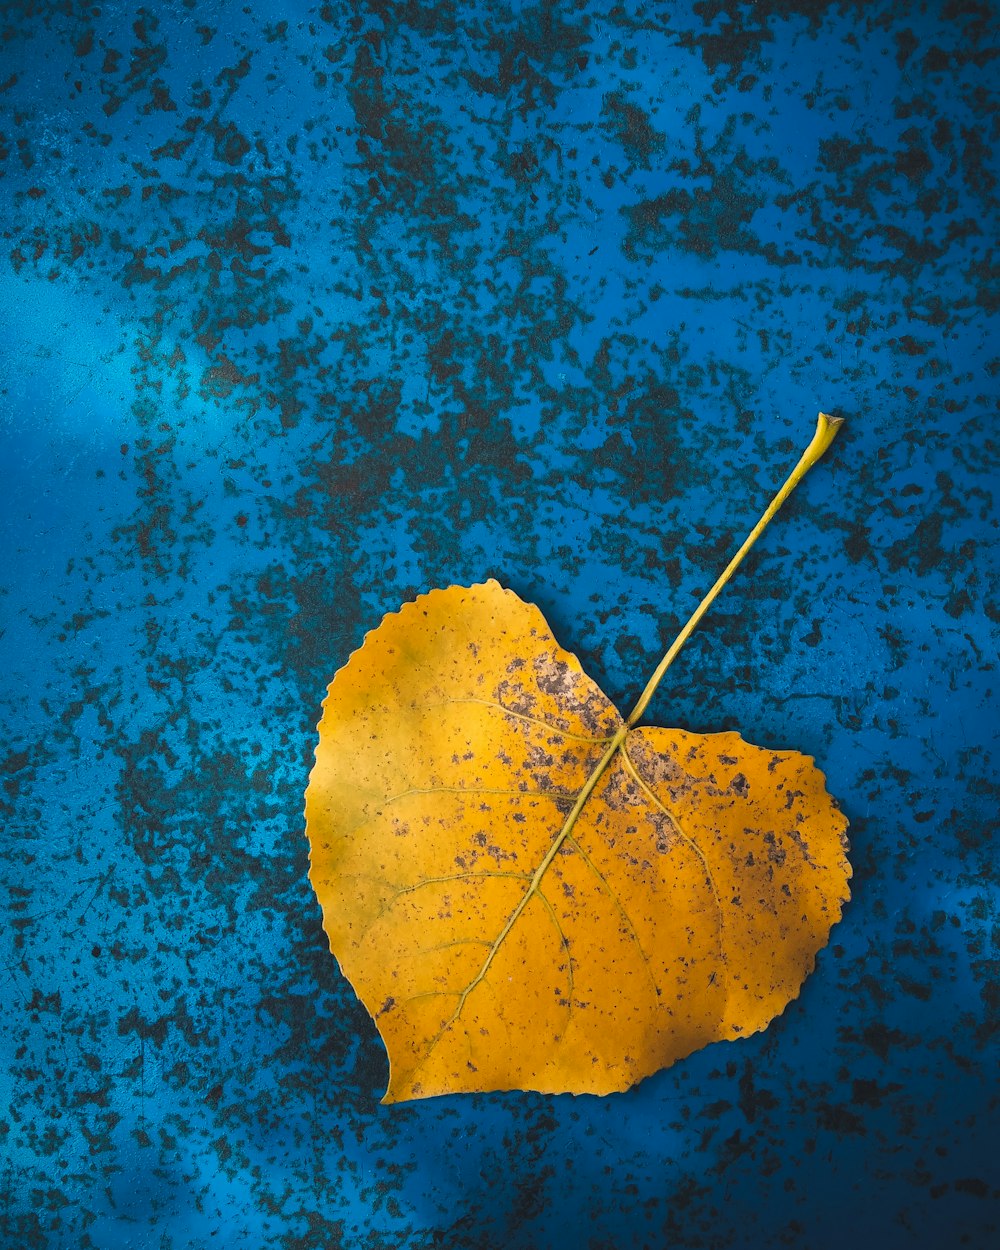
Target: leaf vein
{"type": "Point", "coordinates": [688, 841]}
{"type": "Point", "coordinates": [621, 909]}
{"type": "Point", "coordinates": [557, 795]}
{"type": "Point", "coordinates": [531, 720]}
{"type": "Point", "coordinates": [564, 941]}
{"type": "Point", "coordinates": [585, 792]}
{"type": "Point", "coordinates": [398, 891]}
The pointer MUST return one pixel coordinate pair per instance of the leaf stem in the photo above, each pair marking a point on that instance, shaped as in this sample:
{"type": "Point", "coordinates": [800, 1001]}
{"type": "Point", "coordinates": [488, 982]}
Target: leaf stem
{"type": "Point", "coordinates": [826, 431]}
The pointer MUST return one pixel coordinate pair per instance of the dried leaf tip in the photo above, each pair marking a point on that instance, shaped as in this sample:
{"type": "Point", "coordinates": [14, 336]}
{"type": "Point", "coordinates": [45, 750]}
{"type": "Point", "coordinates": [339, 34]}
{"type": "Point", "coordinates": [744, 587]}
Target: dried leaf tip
{"type": "Point", "coordinates": [826, 432]}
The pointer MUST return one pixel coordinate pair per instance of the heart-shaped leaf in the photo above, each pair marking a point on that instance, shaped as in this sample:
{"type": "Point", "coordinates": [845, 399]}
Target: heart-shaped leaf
{"type": "Point", "coordinates": [528, 891]}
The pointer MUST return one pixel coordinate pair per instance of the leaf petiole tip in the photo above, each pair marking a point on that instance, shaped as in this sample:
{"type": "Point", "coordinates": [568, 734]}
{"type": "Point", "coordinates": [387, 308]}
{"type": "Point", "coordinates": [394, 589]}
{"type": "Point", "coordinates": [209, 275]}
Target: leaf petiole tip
{"type": "Point", "coordinates": [826, 431]}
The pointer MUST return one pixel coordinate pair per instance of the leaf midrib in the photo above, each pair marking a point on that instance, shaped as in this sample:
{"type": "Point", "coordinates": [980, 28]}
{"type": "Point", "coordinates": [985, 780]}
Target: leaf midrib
{"type": "Point", "coordinates": [564, 833]}
{"type": "Point", "coordinates": [826, 430]}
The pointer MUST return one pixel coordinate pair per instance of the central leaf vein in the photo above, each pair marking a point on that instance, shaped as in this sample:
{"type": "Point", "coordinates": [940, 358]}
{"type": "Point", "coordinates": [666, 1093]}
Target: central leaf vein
{"type": "Point", "coordinates": [588, 788]}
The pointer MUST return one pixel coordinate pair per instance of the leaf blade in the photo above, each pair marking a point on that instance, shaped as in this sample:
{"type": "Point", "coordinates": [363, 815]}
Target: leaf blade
{"type": "Point", "coordinates": [541, 894]}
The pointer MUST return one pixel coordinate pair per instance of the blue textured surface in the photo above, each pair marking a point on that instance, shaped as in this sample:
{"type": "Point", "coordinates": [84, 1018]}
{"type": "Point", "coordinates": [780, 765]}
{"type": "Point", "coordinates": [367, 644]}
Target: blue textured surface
{"type": "Point", "coordinates": [305, 311]}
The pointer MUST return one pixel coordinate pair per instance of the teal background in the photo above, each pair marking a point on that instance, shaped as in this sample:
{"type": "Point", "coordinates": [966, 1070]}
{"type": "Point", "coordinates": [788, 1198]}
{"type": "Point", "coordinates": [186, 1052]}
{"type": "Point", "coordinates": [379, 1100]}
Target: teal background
{"type": "Point", "coordinates": [305, 310]}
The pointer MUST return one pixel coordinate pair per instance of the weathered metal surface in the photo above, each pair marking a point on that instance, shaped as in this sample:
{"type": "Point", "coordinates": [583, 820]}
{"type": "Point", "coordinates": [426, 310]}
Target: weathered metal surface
{"type": "Point", "coordinates": [305, 311]}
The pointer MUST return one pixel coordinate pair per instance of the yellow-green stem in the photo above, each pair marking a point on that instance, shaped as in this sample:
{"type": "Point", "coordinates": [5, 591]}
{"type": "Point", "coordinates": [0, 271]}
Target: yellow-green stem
{"type": "Point", "coordinates": [826, 431]}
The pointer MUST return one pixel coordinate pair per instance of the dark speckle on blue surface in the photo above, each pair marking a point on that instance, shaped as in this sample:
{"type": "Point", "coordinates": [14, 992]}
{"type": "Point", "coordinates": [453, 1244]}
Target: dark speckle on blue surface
{"type": "Point", "coordinates": [308, 309]}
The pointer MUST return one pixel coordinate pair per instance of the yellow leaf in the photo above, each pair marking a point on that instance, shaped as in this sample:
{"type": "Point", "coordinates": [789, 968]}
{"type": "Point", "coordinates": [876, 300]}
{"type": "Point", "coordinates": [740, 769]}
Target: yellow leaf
{"type": "Point", "coordinates": [528, 891]}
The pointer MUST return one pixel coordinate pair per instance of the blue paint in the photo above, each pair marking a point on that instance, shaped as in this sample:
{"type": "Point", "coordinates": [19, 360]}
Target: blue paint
{"type": "Point", "coordinates": [308, 311]}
